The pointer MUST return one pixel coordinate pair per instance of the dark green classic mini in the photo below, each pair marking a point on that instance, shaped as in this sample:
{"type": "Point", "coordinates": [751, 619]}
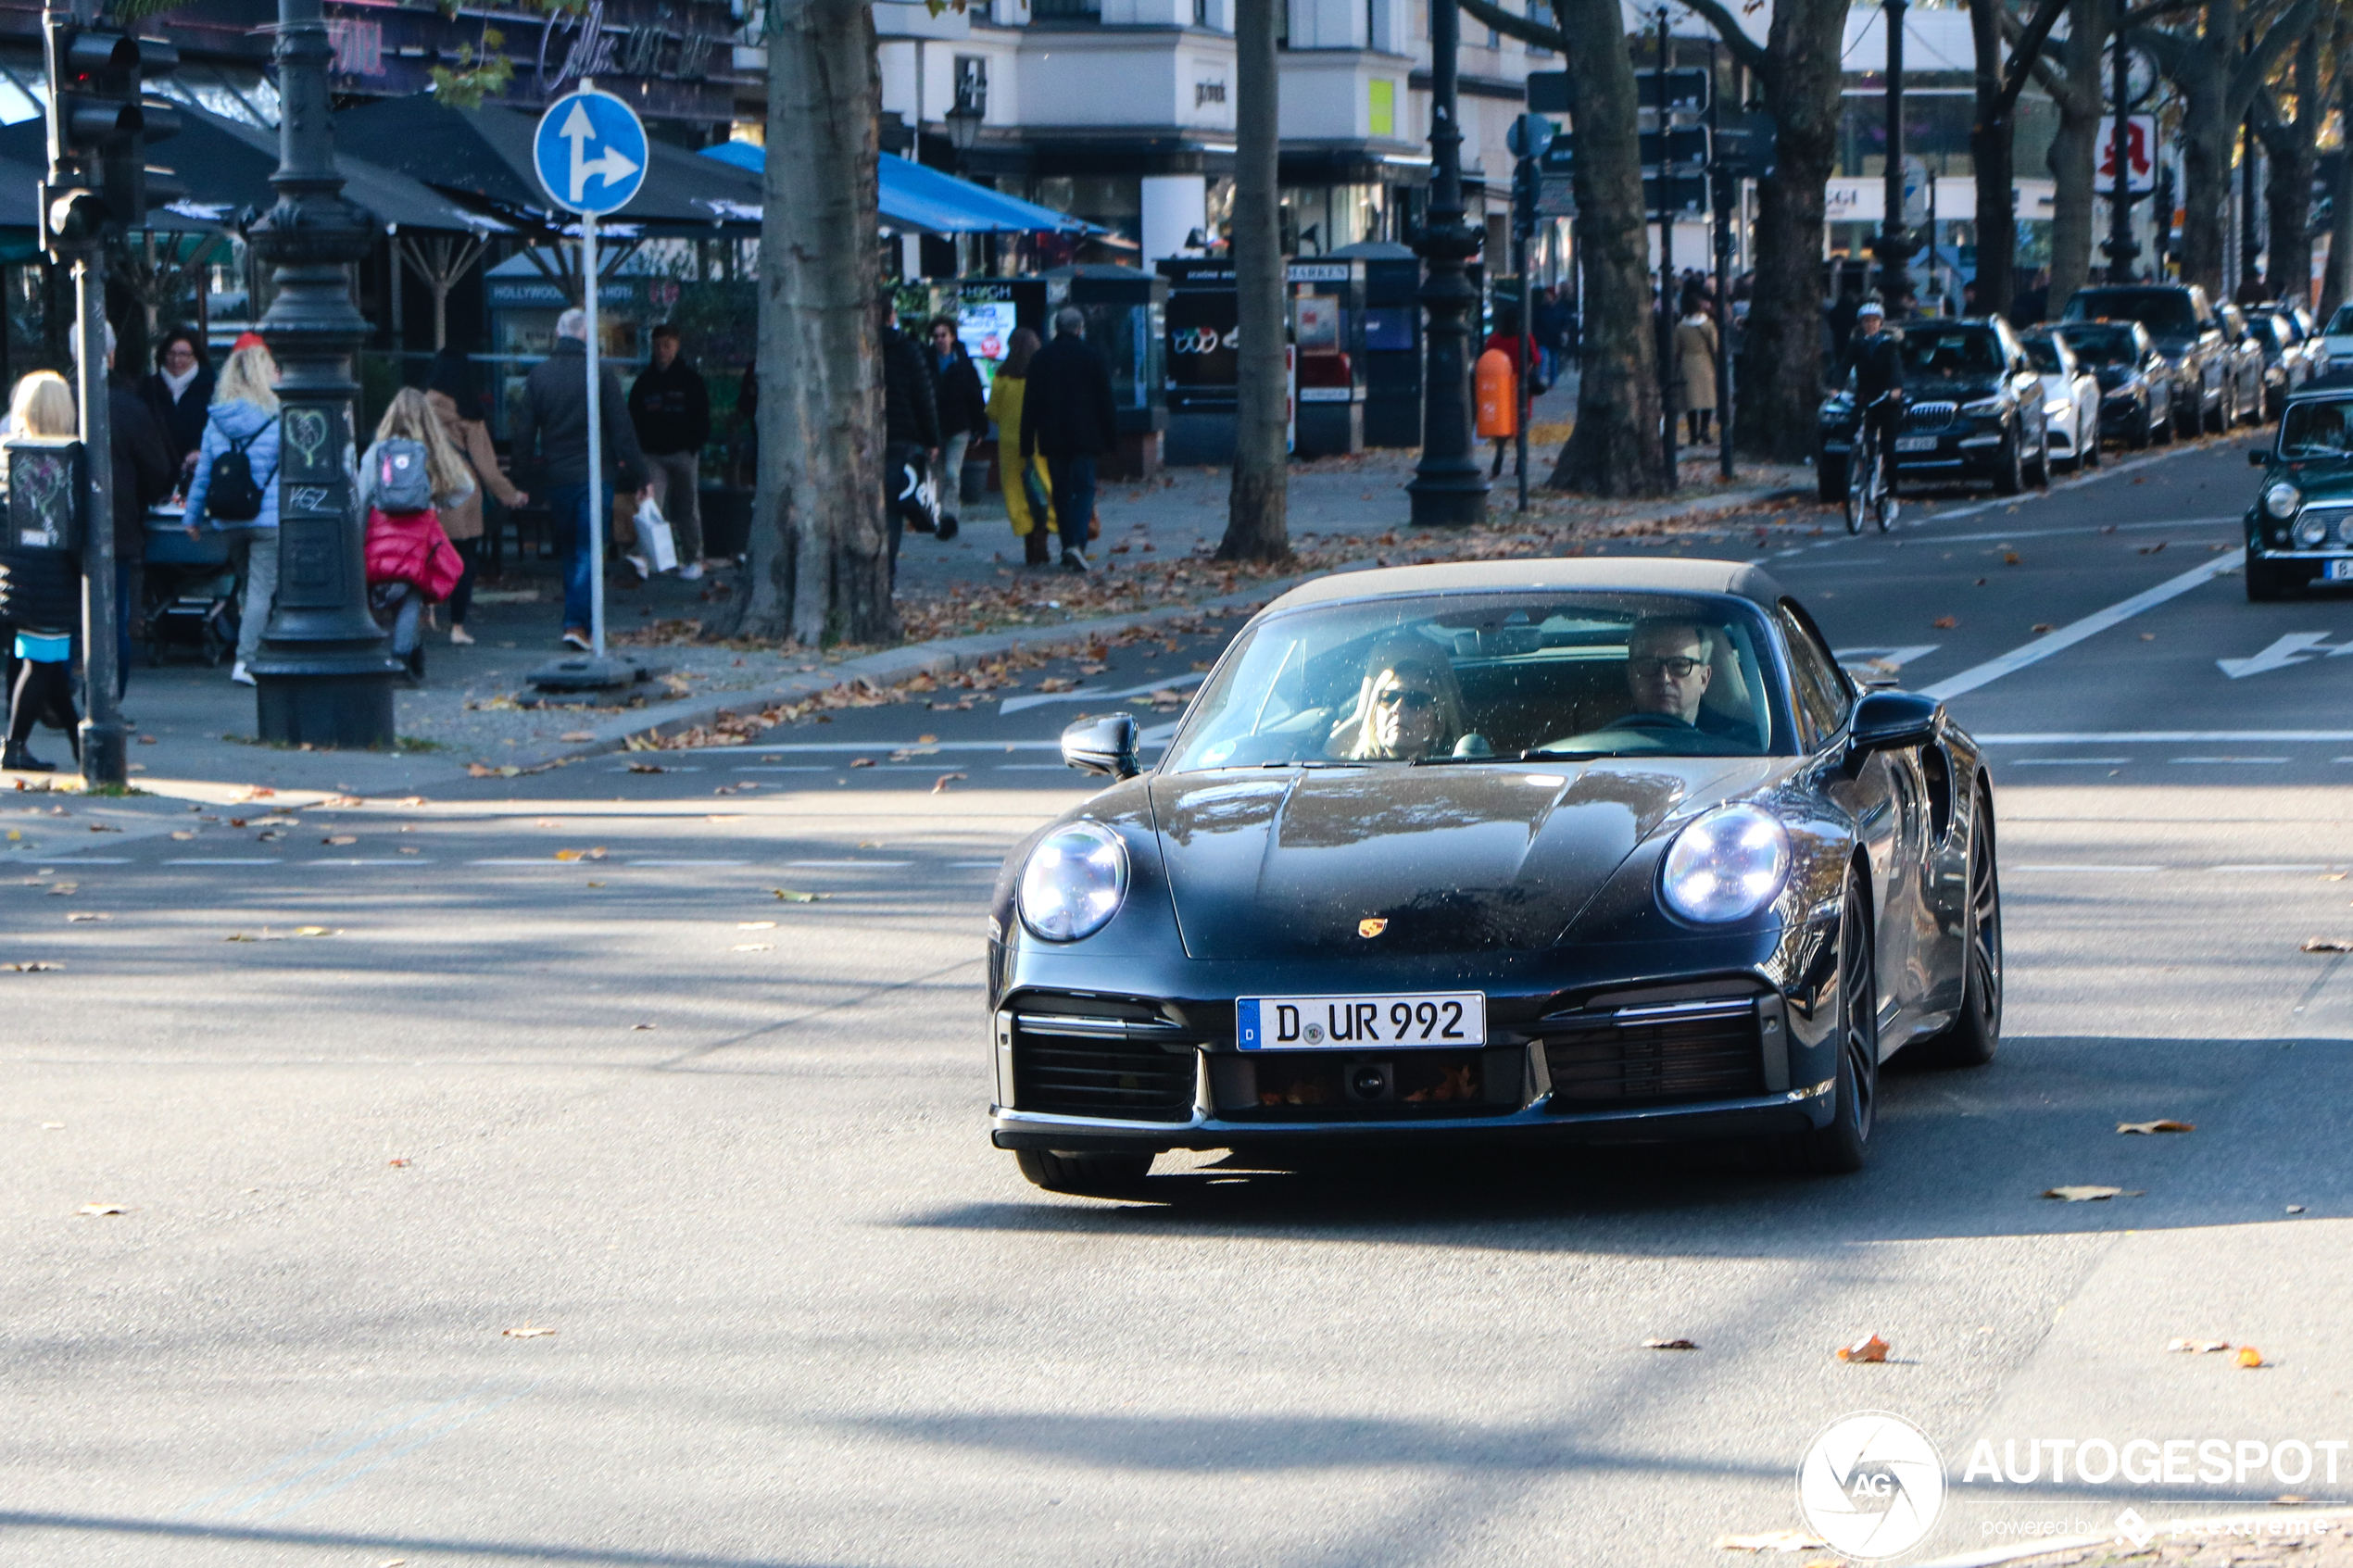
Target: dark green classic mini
{"type": "Point", "coordinates": [2300, 528]}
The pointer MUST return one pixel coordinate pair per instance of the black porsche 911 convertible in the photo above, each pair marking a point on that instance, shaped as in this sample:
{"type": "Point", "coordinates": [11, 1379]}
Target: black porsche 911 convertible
{"type": "Point", "coordinates": [1602, 850]}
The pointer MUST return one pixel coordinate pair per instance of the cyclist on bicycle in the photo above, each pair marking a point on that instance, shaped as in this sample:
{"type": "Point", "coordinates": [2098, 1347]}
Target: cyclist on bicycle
{"type": "Point", "coordinates": [1878, 377]}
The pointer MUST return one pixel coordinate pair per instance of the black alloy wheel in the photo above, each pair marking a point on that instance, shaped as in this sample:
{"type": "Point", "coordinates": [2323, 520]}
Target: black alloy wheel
{"type": "Point", "coordinates": [1843, 1146]}
{"type": "Point", "coordinates": [2189, 414]}
{"type": "Point", "coordinates": [1971, 1039]}
{"type": "Point", "coordinates": [2009, 465]}
{"type": "Point", "coordinates": [1861, 464]}
{"type": "Point", "coordinates": [1084, 1176]}
{"type": "Point", "coordinates": [2225, 410]}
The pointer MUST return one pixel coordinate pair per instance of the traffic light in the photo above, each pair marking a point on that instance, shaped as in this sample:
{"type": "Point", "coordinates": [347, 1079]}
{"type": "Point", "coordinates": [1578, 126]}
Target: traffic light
{"type": "Point", "coordinates": [100, 126]}
{"type": "Point", "coordinates": [1527, 182]}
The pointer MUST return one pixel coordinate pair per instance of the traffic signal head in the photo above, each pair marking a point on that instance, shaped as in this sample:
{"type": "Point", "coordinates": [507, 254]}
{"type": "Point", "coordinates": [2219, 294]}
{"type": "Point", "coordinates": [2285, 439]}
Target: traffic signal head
{"type": "Point", "coordinates": [100, 122]}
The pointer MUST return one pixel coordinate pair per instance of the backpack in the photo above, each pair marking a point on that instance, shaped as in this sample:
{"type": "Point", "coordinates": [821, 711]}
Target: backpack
{"type": "Point", "coordinates": [233, 494]}
{"type": "Point", "coordinates": [402, 485]}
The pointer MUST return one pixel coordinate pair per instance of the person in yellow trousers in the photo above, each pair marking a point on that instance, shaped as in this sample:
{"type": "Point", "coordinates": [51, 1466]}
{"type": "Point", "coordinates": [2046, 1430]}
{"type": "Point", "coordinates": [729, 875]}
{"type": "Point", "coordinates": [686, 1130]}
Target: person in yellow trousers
{"type": "Point", "coordinates": [1029, 491]}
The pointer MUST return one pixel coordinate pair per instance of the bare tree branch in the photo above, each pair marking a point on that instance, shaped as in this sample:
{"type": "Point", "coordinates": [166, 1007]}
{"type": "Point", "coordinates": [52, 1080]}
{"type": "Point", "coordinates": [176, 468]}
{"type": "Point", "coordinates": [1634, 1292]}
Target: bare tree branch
{"type": "Point", "coordinates": [1510, 26]}
{"type": "Point", "coordinates": [1744, 49]}
{"type": "Point", "coordinates": [2028, 50]}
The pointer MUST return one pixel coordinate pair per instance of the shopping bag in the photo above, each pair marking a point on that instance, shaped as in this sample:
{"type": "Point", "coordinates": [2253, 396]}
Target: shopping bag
{"type": "Point", "coordinates": [655, 541]}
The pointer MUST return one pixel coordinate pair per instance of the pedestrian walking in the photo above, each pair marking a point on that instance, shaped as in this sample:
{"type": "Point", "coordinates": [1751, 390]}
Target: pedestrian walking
{"type": "Point", "coordinates": [408, 475]}
{"type": "Point", "coordinates": [1552, 333]}
{"type": "Point", "coordinates": [235, 488]}
{"type": "Point", "coordinates": [1695, 364]}
{"type": "Point", "coordinates": [145, 468]}
{"type": "Point", "coordinates": [40, 594]}
{"type": "Point", "coordinates": [178, 394]}
{"type": "Point", "coordinates": [670, 409]}
{"type": "Point", "coordinates": [963, 412]}
{"type": "Point", "coordinates": [911, 436]}
{"type": "Point", "coordinates": [1504, 339]}
{"type": "Point", "coordinates": [450, 394]}
{"type": "Point", "coordinates": [1068, 416]}
{"type": "Point", "coordinates": [1029, 488]}
{"type": "Point", "coordinates": [551, 428]}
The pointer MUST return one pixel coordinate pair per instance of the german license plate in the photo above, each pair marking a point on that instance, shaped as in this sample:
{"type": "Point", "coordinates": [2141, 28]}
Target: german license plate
{"type": "Point", "coordinates": [2337, 571]}
{"type": "Point", "coordinates": [1916, 444]}
{"type": "Point", "coordinates": [1407, 1020]}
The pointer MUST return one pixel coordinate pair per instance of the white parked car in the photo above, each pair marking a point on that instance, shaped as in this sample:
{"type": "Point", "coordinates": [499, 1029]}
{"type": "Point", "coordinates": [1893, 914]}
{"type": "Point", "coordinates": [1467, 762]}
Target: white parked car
{"type": "Point", "coordinates": [2071, 399]}
{"type": "Point", "coordinates": [2336, 342]}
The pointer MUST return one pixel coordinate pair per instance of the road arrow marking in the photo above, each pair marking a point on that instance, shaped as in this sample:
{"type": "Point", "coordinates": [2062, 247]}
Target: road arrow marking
{"type": "Point", "coordinates": [612, 166]}
{"type": "Point", "coordinates": [2297, 647]}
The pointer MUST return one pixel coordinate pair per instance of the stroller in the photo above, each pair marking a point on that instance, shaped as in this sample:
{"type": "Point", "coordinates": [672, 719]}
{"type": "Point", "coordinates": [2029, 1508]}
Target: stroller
{"type": "Point", "coordinates": [190, 598]}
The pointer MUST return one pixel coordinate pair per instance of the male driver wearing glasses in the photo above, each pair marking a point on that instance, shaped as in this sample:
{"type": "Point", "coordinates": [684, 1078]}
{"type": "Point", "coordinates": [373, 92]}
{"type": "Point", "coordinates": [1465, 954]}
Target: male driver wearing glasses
{"type": "Point", "coordinates": [1669, 666]}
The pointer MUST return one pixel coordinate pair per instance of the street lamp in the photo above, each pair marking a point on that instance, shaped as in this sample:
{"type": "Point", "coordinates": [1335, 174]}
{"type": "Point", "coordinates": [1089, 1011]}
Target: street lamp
{"type": "Point", "coordinates": [1447, 488]}
{"type": "Point", "coordinates": [2120, 245]}
{"type": "Point", "coordinates": [964, 122]}
{"type": "Point", "coordinates": [1895, 245]}
{"type": "Point", "coordinates": [322, 676]}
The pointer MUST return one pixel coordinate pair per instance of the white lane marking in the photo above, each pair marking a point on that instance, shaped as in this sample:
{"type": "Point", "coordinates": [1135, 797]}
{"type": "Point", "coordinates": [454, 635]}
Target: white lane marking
{"type": "Point", "coordinates": [2297, 647]}
{"type": "Point", "coordinates": [74, 858]}
{"type": "Point", "coordinates": [2065, 762]}
{"type": "Point", "coordinates": [2085, 868]}
{"type": "Point", "coordinates": [975, 865]}
{"type": "Point", "coordinates": [665, 768]}
{"type": "Point", "coordinates": [786, 768]}
{"type": "Point", "coordinates": [2177, 737]}
{"type": "Point", "coordinates": [2283, 869]}
{"type": "Point", "coordinates": [855, 865]}
{"type": "Point", "coordinates": [1032, 768]}
{"type": "Point", "coordinates": [2087, 528]}
{"type": "Point", "coordinates": [2225, 761]}
{"type": "Point", "coordinates": [883, 747]}
{"type": "Point", "coordinates": [687, 862]}
{"type": "Point", "coordinates": [207, 860]}
{"type": "Point", "coordinates": [1083, 694]}
{"type": "Point", "coordinates": [541, 860]}
{"type": "Point", "coordinates": [404, 860]}
{"type": "Point", "coordinates": [2091, 625]}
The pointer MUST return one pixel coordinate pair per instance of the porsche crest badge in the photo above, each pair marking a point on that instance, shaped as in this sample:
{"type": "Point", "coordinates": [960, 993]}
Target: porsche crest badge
{"type": "Point", "coordinates": [1371, 928]}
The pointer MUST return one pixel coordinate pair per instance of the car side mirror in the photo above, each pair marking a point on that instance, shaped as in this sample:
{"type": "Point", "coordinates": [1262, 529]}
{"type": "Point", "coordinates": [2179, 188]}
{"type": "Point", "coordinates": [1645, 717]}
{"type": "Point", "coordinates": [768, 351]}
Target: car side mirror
{"type": "Point", "coordinates": [2257, 457]}
{"type": "Point", "coordinates": [1894, 721]}
{"type": "Point", "coordinates": [1102, 745]}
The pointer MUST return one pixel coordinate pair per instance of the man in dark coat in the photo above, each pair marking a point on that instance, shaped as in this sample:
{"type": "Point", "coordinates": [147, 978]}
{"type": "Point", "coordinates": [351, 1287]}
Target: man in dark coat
{"type": "Point", "coordinates": [1068, 415]}
{"type": "Point", "coordinates": [145, 469]}
{"type": "Point", "coordinates": [552, 427]}
{"type": "Point", "coordinates": [963, 412]}
{"type": "Point", "coordinates": [910, 433]}
{"type": "Point", "coordinates": [670, 409]}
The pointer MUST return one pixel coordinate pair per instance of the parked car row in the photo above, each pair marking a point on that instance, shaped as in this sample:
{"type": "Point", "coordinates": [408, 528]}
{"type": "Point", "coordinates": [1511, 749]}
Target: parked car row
{"type": "Point", "coordinates": [2133, 364]}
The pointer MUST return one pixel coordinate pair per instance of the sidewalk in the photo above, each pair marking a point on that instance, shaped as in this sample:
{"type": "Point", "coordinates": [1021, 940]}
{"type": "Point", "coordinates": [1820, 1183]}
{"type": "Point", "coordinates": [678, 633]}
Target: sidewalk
{"type": "Point", "coordinates": [970, 594]}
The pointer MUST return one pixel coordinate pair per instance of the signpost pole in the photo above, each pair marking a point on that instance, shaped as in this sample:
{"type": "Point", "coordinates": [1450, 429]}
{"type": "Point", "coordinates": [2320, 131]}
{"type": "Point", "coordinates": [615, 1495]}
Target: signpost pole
{"type": "Point", "coordinates": [597, 506]}
{"type": "Point", "coordinates": [1666, 328]}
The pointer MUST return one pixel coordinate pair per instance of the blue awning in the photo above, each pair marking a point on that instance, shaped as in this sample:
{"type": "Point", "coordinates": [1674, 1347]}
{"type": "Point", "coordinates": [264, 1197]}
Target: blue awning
{"type": "Point", "coordinates": [916, 198]}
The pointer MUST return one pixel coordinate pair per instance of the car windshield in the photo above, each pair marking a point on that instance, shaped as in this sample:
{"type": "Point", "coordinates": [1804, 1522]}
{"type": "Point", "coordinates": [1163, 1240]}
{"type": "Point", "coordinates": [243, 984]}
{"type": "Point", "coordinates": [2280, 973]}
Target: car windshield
{"type": "Point", "coordinates": [2042, 354]}
{"type": "Point", "coordinates": [2317, 430]}
{"type": "Point", "coordinates": [2165, 312]}
{"type": "Point", "coordinates": [2342, 323]}
{"type": "Point", "coordinates": [2104, 345]}
{"type": "Point", "coordinates": [1461, 677]}
{"type": "Point", "coordinates": [1951, 351]}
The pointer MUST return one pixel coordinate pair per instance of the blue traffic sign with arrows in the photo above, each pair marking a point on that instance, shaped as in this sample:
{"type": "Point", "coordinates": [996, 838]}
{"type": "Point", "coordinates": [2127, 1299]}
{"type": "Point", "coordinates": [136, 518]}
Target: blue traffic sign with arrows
{"type": "Point", "coordinates": [590, 152]}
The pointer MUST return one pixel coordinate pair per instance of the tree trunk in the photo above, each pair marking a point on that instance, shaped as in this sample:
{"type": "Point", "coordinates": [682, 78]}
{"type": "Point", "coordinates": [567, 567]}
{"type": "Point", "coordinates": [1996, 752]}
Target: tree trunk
{"type": "Point", "coordinates": [1781, 367]}
{"type": "Point", "coordinates": [2289, 193]}
{"type": "Point", "coordinates": [2206, 130]}
{"type": "Point", "coordinates": [2338, 284]}
{"type": "Point", "coordinates": [1616, 448]}
{"type": "Point", "coordinates": [2074, 151]}
{"type": "Point", "coordinates": [1991, 151]}
{"type": "Point", "coordinates": [820, 565]}
{"type": "Point", "coordinates": [1255, 507]}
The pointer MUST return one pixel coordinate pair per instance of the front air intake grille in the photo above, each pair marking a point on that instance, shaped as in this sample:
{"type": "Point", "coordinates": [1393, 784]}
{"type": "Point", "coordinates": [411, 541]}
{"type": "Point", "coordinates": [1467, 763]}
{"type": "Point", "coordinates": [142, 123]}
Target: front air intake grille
{"type": "Point", "coordinates": [1929, 416]}
{"type": "Point", "coordinates": [1112, 1060]}
{"type": "Point", "coordinates": [1662, 1055]}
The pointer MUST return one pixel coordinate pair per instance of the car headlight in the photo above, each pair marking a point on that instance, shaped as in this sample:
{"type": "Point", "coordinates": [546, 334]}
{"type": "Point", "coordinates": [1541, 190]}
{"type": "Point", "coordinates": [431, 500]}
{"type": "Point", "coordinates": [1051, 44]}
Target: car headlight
{"type": "Point", "coordinates": [1073, 882]}
{"type": "Point", "coordinates": [1726, 865]}
{"type": "Point", "coordinates": [2281, 499]}
{"type": "Point", "coordinates": [1987, 405]}
{"type": "Point", "coordinates": [2311, 530]}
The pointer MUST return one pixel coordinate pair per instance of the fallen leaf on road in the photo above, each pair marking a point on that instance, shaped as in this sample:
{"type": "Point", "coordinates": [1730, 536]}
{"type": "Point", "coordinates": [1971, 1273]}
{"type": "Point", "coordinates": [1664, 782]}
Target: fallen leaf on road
{"type": "Point", "coordinates": [2148, 636]}
{"type": "Point", "coordinates": [62, 889]}
{"type": "Point", "coordinates": [2290, 1499]}
{"type": "Point", "coordinates": [94, 1210]}
{"type": "Point", "coordinates": [596, 854]}
{"type": "Point", "coordinates": [861, 761]}
{"type": "Point", "coordinates": [101, 827]}
{"type": "Point", "coordinates": [2083, 1195]}
{"type": "Point", "coordinates": [150, 740]}
{"type": "Point", "coordinates": [595, 884]}
{"type": "Point", "coordinates": [1057, 683]}
{"type": "Point", "coordinates": [2157, 1126]}
{"type": "Point", "coordinates": [81, 915]}
{"type": "Point", "coordinates": [2248, 1356]}
{"type": "Point", "coordinates": [33, 966]}
{"type": "Point", "coordinates": [184, 834]}
{"type": "Point", "coordinates": [755, 925]}
{"type": "Point", "coordinates": [648, 768]}
{"type": "Point", "coordinates": [2152, 549]}
{"type": "Point", "coordinates": [1092, 668]}
{"type": "Point", "coordinates": [2009, 558]}
{"type": "Point", "coordinates": [398, 1160]}
{"type": "Point", "coordinates": [2198, 1347]}
{"type": "Point", "coordinates": [2333, 876]}
{"type": "Point", "coordinates": [1870, 1348]}
{"type": "Point", "coordinates": [483, 770]}
{"type": "Point", "coordinates": [340, 838]}
{"type": "Point", "coordinates": [939, 786]}
{"type": "Point", "coordinates": [236, 822]}
{"type": "Point", "coordinates": [637, 1028]}
{"type": "Point", "coordinates": [752, 947]}
{"type": "Point", "coordinates": [792, 896]}
{"type": "Point", "coordinates": [577, 735]}
{"type": "Point", "coordinates": [2295, 1209]}
{"type": "Point", "coordinates": [1771, 1540]}
{"type": "Point", "coordinates": [528, 1331]}
{"type": "Point", "coordinates": [2328, 945]}
{"type": "Point", "coordinates": [1669, 1345]}
{"type": "Point", "coordinates": [1946, 623]}
{"type": "Point", "coordinates": [2041, 627]}
{"type": "Point", "coordinates": [317, 931]}
{"type": "Point", "coordinates": [925, 740]}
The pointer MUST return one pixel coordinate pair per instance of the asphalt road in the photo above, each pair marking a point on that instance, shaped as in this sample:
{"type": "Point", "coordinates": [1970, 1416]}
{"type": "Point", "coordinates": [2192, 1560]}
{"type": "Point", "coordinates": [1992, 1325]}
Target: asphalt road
{"type": "Point", "coordinates": [786, 1306]}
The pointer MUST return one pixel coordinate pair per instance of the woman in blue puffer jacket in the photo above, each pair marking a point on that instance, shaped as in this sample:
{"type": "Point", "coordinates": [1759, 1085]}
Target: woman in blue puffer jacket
{"type": "Point", "coordinates": [245, 417]}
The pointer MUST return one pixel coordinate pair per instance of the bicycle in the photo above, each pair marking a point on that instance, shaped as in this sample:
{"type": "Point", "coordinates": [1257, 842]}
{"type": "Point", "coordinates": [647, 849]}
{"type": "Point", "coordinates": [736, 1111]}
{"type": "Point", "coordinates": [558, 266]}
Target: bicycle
{"type": "Point", "coordinates": [1870, 479]}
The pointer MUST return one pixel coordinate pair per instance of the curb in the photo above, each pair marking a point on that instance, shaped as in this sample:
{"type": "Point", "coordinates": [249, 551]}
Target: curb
{"type": "Point", "coordinates": [950, 656]}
